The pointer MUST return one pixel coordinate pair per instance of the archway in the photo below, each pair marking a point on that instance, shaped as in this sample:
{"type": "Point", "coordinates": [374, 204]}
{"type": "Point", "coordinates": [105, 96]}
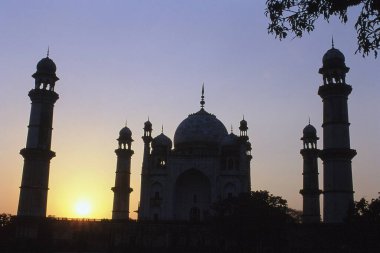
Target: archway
{"type": "Point", "coordinates": [229, 191]}
{"type": "Point", "coordinates": [192, 195]}
{"type": "Point", "coordinates": [155, 201]}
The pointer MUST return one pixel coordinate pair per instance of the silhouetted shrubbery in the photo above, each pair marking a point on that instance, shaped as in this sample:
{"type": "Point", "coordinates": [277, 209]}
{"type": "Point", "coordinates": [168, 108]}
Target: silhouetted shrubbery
{"type": "Point", "coordinates": [365, 211]}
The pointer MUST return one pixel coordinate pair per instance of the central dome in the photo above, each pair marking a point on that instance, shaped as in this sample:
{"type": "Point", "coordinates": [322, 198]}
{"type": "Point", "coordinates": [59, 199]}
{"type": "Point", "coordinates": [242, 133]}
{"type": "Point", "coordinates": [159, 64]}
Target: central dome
{"type": "Point", "coordinates": [199, 129]}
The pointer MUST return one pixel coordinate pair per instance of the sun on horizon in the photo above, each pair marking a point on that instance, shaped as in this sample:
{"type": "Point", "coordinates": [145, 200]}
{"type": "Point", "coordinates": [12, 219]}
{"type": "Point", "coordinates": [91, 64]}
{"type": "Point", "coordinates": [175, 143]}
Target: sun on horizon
{"type": "Point", "coordinates": [82, 208]}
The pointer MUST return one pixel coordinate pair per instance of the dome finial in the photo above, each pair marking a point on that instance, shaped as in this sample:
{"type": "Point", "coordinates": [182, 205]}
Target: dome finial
{"type": "Point", "coordinates": [332, 41]}
{"type": "Point", "coordinates": [203, 96]}
{"type": "Point", "coordinates": [232, 129]}
{"type": "Point", "coordinates": [309, 120]}
{"type": "Point", "coordinates": [126, 123]}
{"type": "Point", "coordinates": [48, 51]}
{"type": "Point", "coordinates": [162, 128]}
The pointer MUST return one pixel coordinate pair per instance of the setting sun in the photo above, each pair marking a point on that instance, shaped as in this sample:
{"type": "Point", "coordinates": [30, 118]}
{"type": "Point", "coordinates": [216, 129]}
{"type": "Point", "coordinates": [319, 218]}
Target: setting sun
{"type": "Point", "coordinates": [82, 208]}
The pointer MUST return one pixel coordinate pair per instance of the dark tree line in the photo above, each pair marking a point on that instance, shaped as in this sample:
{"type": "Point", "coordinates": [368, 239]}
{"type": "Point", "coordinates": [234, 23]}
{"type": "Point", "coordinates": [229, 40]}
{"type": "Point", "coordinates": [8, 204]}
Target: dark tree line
{"type": "Point", "coordinates": [366, 211]}
{"type": "Point", "coordinates": [5, 219]}
{"type": "Point", "coordinates": [299, 16]}
{"type": "Point", "coordinates": [261, 208]}
{"type": "Point", "coordinates": [256, 207]}
{"type": "Point", "coordinates": [251, 221]}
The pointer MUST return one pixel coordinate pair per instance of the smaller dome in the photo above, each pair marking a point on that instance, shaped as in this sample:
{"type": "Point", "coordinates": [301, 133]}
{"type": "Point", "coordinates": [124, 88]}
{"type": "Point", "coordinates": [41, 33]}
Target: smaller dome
{"type": "Point", "coordinates": [162, 141]}
{"type": "Point", "coordinates": [333, 58]}
{"type": "Point", "coordinates": [309, 132]}
{"type": "Point", "coordinates": [125, 134]}
{"type": "Point", "coordinates": [46, 66]}
{"type": "Point", "coordinates": [230, 140]}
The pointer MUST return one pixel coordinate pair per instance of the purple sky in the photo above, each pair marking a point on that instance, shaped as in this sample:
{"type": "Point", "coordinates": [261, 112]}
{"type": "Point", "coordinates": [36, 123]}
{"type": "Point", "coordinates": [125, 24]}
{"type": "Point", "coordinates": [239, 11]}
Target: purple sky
{"type": "Point", "coordinates": [127, 60]}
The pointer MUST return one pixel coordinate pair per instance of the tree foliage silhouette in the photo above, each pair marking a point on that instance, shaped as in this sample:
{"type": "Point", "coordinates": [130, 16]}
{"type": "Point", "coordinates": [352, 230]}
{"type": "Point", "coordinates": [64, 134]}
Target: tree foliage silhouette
{"type": "Point", "coordinates": [251, 220]}
{"type": "Point", "coordinates": [299, 16]}
{"type": "Point", "coordinates": [365, 211]}
{"type": "Point", "coordinates": [258, 208]}
{"type": "Point", "coordinates": [5, 219]}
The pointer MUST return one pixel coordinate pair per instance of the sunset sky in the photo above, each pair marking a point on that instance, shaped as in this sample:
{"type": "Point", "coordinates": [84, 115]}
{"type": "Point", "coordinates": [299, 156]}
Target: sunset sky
{"type": "Point", "coordinates": [123, 61]}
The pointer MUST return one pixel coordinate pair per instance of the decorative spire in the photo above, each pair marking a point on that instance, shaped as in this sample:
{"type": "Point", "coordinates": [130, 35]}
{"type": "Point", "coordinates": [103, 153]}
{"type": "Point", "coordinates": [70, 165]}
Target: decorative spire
{"type": "Point", "coordinates": [203, 96]}
{"type": "Point", "coordinates": [232, 129]}
{"type": "Point", "coordinates": [309, 120]}
{"type": "Point", "coordinates": [126, 123]}
{"type": "Point", "coordinates": [48, 51]}
{"type": "Point", "coordinates": [162, 128]}
{"type": "Point", "coordinates": [332, 41]}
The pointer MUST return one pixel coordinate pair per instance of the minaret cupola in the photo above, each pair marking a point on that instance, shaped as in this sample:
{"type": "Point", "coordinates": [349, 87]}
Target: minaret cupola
{"type": "Point", "coordinates": [309, 137]}
{"type": "Point", "coordinates": [334, 68]}
{"type": "Point", "coordinates": [45, 76]}
{"type": "Point", "coordinates": [243, 129]}
{"type": "Point", "coordinates": [148, 129]}
{"type": "Point", "coordinates": [125, 138]}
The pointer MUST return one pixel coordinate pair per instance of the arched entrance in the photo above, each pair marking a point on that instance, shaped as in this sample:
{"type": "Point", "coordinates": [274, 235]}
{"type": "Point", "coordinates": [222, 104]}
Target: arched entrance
{"type": "Point", "coordinates": [192, 195]}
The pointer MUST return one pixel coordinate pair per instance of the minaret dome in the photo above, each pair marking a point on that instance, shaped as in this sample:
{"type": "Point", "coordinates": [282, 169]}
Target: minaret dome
{"type": "Point", "coordinates": [46, 66]}
{"type": "Point", "coordinates": [243, 129]}
{"type": "Point", "coordinates": [45, 75]}
{"type": "Point", "coordinates": [125, 137]}
{"type": "Point", "coordinates": [334, 68]}
{"type": "Point", "coordinates": [309, 137]}
{"type": "Point", "coordinates": [333, 58]}
{"type": "Point", "coordinates": [310, 132]}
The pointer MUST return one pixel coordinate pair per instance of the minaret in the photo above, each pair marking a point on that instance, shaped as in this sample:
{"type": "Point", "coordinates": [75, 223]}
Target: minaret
{"type": "Point", "coordinates": [310, 191]}
{"type": "Point", "coordinates": [245, 153]}
{"type": "Point", "coordinates": [147, 138]}
{"type": "Point", "coordinates": [244, 130]}
{"type": "Point", "coordinates": [245, 138]}
{"type": "Point", "coordinates": [37, 153]}
{"type": "Point", "coordinates": [122, 187]}
{"type": "Point", "coordinates": [336, 154]}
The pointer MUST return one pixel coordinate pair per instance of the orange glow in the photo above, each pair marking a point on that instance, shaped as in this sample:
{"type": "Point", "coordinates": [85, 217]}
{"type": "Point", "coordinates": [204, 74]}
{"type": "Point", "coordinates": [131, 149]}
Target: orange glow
{"type": "Point", "coordinates": [83, 208]}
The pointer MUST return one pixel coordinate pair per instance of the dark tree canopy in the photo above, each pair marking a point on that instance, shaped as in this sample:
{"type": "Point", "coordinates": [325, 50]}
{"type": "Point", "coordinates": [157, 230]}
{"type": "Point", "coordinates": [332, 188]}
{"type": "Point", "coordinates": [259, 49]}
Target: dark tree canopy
{"type": "Point", "coordinates": [5, 219]}
{"type": "Point", "coordinates": [365, 211]}
{"type": "Point", "coordinates": [298, 16]}
{"type": "Point", "coordinates": [257, 207]}
{"type": "Point", "coordinates": [252, 220]}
